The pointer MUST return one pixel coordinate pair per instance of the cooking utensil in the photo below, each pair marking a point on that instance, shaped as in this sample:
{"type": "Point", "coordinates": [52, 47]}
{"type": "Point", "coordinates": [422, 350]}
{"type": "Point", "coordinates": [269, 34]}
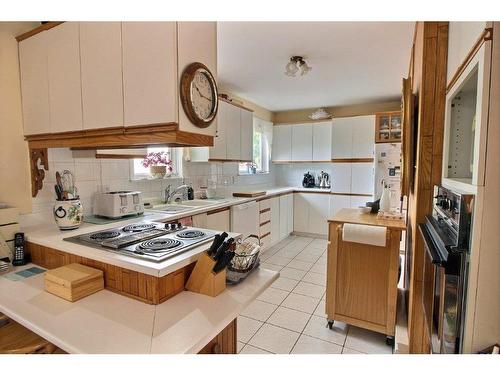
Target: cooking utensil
{"type": "Point", "coordinates": [59, 192]}
{"type": "Point", "coordinates": [218, 240]}
{"type": "Point", "coordinates": [223, 261]}
{"type": "Point", "coordinates": [223, 248]}
{"type": "Point", "coordinates": [68, 184]}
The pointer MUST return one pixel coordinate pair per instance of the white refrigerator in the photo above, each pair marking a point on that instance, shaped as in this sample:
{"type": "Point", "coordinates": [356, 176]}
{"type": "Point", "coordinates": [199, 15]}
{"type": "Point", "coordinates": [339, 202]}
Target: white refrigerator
{"type": "Point", "coordinates": [388, 169]}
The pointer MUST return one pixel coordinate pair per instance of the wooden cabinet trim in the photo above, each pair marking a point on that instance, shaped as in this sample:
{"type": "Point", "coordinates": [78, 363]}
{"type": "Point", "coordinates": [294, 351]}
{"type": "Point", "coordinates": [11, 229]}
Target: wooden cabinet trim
{"type": "Point", "coordinates": [218, 210]}
{"type": "Point", "coordinates": [353, 160]}
{"type": "Point", "coordinates": [265, 235]}
{"type": "Point", "coordinates": [265, 222]}
{"type": "Point", "coordinates": [39, 29]}
{"type": "Point", "coordinates": [235, 104]}
{"type": "Point", "coordinates": [487, 34]}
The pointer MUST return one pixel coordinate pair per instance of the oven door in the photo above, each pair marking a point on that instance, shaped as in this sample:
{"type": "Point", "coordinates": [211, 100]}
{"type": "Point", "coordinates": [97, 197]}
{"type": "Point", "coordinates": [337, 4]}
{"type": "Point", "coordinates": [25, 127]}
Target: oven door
{"type": "Point", "coordinates": [442, 294]}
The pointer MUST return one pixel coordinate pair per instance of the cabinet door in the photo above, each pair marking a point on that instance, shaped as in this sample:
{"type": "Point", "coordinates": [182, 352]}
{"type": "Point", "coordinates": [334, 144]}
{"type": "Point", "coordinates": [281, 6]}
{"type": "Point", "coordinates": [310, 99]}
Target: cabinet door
{"type": "Point", "coordinates": [341, 177]}
{"type": "Point", "coordinates": [318, 205]}
{"type": "Point", "coordinates": [275, 220]}
{"type": "Point", "coordinates": [283, 216]}
{"type": "Point", "coordinates": [359, 201]}
{"type": "Point", "coordinates": [102, 86]}
{"type": "Point", "coordinates": [362, 178]}
{"type": "Point", "coordinates": [65, 91]}
{"type": "Point", "coordinates": [300, 212]}
{"type": "Point", "coordinates": [342, 138]}
{"type": "Point", "coordinates": [196, 41]}
{"type": "Point", "coordinates": [322, 142]}
{"type": "Point", "coordinates": [34, 84]}
{"type": "Point", "coordinates": [218, 221]}
{"type": "Point", "coordinates": [338, 202]}
{"type": "Point", "coordinates": [301, 142]}
{"type": "Point", "coordinates": [282, 143]}
{"type": "Point", "coordinates": [149, 72]}
{"type": "Point", "coordinates": [290, 211]}
{"type": "Point", "coordinates": [363, 137]}
{"type": "Point", "coordinates": [230, 115]}
{"type": "Point", "coordinates": [246, 121]}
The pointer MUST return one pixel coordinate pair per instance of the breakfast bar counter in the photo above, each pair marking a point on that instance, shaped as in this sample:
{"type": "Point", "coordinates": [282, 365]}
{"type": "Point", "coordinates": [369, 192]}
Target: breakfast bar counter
{"type": "Point", "coordinates": [106, 322]}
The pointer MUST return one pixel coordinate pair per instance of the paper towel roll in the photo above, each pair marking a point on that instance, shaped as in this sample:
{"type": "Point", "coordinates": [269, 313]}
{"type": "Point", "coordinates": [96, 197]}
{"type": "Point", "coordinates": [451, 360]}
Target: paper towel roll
{"type": "Point", "coordinates": [365, 234]}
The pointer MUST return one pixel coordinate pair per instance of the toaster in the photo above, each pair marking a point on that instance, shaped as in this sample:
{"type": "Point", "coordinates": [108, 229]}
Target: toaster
{"type": "Point", "coordinates": [116, 204]}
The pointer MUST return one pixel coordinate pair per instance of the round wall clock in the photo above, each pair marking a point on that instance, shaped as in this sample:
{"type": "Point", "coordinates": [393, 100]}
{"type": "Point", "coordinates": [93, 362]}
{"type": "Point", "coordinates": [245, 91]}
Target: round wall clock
{"type": "Point", "coordinates": [199, 94]}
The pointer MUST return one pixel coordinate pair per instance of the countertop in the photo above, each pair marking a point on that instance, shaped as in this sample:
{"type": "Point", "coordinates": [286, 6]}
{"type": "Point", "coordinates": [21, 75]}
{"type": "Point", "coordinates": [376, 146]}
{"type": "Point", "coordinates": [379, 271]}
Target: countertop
{"type": "Point", "coordinates": [106, 322]}
{"type": "Point", "coordinates": [43, 231]}
{"type": "Point", "coordinates": [354, 216]}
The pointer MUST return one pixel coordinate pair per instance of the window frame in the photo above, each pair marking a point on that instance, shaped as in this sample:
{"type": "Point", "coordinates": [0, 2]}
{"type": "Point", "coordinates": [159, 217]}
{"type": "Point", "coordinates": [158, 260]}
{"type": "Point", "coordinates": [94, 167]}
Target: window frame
{"type": "Point", "coordinates": [176, 154]}
{"type": "Point", "coordinates": [243, 168]}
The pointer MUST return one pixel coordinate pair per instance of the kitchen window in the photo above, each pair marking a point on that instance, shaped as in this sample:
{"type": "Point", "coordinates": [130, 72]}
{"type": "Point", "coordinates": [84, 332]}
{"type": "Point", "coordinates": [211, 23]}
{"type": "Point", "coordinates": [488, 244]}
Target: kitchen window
{"type": "Point", "coordinates": [139, 172]}
{"type": "Point", "coordinates": [262, 142]}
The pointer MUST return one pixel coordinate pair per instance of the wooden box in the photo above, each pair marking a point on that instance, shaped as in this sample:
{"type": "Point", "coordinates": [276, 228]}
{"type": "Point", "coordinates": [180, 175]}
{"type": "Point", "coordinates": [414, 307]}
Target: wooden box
{"type": "Point", "coordinates": [73, 281]}
{"type": "Point", "coordinates": [203, 280]}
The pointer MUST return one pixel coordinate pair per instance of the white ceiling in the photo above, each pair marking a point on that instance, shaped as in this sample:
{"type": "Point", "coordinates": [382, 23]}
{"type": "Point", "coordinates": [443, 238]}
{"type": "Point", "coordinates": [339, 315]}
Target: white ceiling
{"type": "Point", "coordinates": [353, 62]}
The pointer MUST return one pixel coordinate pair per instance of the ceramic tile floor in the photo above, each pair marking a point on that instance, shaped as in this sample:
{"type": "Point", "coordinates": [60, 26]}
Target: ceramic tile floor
{"type": "Point", "coordinates": [289, 316]}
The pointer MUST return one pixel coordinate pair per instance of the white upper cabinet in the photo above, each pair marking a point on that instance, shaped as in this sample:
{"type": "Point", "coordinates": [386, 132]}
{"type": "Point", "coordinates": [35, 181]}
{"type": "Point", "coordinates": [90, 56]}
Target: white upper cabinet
{"type": "Point", "coordinates": [363, 137]}
{"type": "Point", "coordinates": [322, 141]}
{"type": "Point", "coordinates": [149, 72]}
{"type": "Point", "coordinates": [197, 42]}
{"type": "Point", "coordinates": [301, 142]}
{"type": "Point", "coordinates": [101, 74]}
{"type": "Point", "coordinates": [341, 177]}
{"type": "Point", "coordinates": [246, 135]}
{"type": "Point", "coordinates": [353, 137]}
{"type": "Point", "coordinates": [231, 116]}
{"type": "Point", "coordinates": [65, 91]}
{"type": "Point", "coordinates": [342, 138]}
{"type": "Point", "coordinates": [362, 178]}
{"type": "Point", "coordinates": [34, 84]}
{"type": "Point", "coordinates": [282, 143]}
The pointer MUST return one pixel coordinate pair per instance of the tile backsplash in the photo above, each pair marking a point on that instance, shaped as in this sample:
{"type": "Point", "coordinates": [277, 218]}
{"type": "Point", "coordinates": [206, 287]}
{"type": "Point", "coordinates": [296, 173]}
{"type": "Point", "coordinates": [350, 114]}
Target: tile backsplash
{"type": "Point", "coordinates": [292, 174]}
{"type": "Point", "coordinates": [97, 175]}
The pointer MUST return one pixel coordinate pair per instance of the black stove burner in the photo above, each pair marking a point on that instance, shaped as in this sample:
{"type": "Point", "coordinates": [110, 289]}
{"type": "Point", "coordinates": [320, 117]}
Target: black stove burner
{"type": "Point", "coordinates": [159, 244]}
{"type": "Point", "coordinates": [138, 227]}
{"type": "Point", "coordinates": [190, 234]}
{"type": "Point", "coordinates": [104, 235]}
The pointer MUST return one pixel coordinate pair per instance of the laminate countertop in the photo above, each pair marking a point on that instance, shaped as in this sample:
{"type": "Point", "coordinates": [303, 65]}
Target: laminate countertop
{"type": "Point", "coordinates": [354, 216]}
{"type": "Point", "coordinates": [106, 322]}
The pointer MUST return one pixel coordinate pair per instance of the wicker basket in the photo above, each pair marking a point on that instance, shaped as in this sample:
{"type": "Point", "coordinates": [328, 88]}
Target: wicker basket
{"type": "Point", "coordinates": [245, 261]}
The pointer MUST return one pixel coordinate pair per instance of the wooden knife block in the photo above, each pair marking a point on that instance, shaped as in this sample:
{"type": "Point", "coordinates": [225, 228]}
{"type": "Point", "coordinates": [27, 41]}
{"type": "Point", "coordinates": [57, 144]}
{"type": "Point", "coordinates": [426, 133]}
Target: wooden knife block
{"type": "Point", "coordinates": [203, 280]}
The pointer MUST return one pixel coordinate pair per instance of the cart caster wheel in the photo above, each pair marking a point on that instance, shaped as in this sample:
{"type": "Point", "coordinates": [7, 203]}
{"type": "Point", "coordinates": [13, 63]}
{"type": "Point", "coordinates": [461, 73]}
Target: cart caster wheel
{"type": "Point", "coordinates": [389, 340]}
{"type": "Point", "coordinates": [329, 324]}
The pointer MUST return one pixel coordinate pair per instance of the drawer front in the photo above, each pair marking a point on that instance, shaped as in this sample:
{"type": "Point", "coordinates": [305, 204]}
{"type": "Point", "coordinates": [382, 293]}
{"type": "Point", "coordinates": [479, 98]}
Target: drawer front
{"type": "Point", "coordinates": [264, 204]}
{"type": "Point", "coordinates": [265, 216]}
{"type": "Point", "coordinates": [266, 228]}
{"type": "Point", "coordinates": [265, 241]}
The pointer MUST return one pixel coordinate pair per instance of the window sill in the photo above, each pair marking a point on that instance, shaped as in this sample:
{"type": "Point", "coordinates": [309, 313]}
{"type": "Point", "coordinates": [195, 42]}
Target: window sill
{"type": "Point", "coordinates": [252, 174]}
{"type": "Point", "coordinates": [145, 178]}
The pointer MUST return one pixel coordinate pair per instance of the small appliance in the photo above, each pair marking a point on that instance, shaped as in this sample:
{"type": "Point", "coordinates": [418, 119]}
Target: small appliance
{"type": "Point", "coordinates": [117, 204]}
{"type": "Point", "coordinates": [146, 240]}
{"type": "Point", "coordinates": [324, 180]}
{"type": "Point", "coordinates": [308, 181]}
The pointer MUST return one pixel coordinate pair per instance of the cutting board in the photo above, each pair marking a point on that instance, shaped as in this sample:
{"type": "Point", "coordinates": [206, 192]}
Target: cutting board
{"type": "Point", "coordinates": [251, 194]}
{"type": "Point", "coordinates": [73, 281]}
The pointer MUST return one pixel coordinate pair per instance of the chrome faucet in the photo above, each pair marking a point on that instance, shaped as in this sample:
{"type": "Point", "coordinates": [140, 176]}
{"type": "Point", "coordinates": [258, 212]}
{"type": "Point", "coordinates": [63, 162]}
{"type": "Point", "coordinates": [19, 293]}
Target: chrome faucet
{"type": "Point", "coordinates": [169, 195]}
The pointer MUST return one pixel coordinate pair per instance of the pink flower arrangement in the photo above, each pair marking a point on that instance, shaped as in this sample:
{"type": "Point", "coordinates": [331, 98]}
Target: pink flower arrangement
{"type": "Point", "coordinates": [157, 158]}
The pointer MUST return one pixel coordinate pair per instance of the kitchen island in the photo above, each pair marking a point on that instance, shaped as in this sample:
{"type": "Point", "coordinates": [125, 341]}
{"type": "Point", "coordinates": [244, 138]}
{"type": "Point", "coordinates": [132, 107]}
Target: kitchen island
{"type": "Point", "coordinates": [362, 270]}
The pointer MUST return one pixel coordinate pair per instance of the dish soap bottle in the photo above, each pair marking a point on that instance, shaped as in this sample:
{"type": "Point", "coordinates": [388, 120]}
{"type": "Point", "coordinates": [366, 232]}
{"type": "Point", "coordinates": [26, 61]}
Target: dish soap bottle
{"type": "Point", "coordinates": [385, 199]}
{"type": "Point", "coordinates": [190, 192]}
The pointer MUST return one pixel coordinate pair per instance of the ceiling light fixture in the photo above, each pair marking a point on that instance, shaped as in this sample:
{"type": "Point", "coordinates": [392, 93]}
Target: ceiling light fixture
{"type": "Point", "coordinates": [296, 64]}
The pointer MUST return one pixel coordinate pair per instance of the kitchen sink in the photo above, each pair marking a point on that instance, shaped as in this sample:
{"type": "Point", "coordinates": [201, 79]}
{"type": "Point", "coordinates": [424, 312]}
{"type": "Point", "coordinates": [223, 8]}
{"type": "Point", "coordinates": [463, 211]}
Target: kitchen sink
{"type": "Point", "coordinates": [185, 205]}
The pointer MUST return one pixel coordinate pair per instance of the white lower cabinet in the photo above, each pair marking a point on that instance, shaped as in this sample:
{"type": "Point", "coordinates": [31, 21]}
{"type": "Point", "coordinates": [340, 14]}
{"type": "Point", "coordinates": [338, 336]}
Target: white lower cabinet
{"type": "Point", "coordinates": [218, 220]}
{"type": "Point", "coordinates": [300, 213]}
{"type": "Point", "coordinates": [286, 217]}
{"type": "Point", "coordinates": [275, 220]}
{"type": "Point", "coordinates": [310, 213]}
{"type": "Point", "coordinates": [360, 201]}
{"type": "Point", "coordinates": [289, 213]}
{"type": "Point", "coordinates": [338, 202]}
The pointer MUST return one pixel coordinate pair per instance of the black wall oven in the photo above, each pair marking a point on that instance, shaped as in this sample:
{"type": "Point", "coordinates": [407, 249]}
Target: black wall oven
{"type": "Point", "coordinates": [446, 236]}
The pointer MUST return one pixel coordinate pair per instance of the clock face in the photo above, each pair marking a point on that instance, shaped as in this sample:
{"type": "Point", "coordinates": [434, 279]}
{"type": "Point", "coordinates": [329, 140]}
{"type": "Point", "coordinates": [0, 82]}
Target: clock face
{"type": "Point", "coordinates": [202, 95]}
{"type": "Point", "coordinates": [198, 92]}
